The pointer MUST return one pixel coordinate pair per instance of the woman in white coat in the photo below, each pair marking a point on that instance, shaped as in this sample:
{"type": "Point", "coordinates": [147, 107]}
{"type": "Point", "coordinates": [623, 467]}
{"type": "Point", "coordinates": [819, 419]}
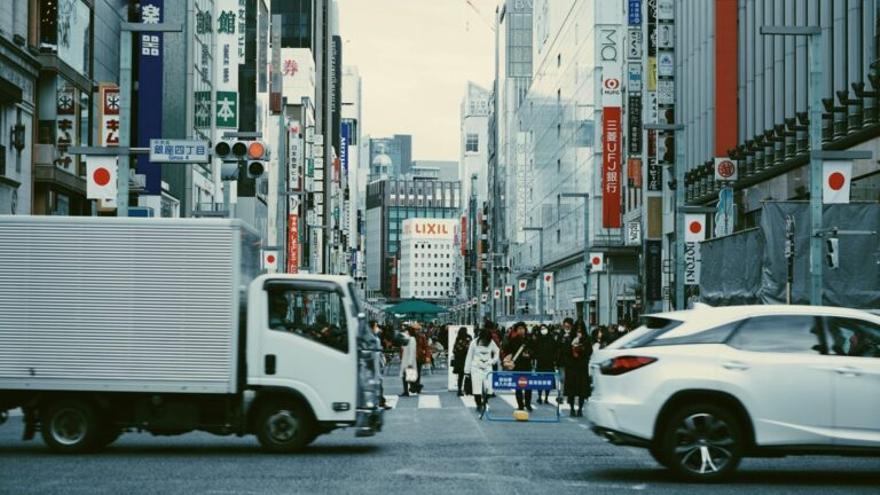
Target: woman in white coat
{"type": "Point", "coordinates": [408, 359]}
{"type": "Point", "coordinates": [481, 358]}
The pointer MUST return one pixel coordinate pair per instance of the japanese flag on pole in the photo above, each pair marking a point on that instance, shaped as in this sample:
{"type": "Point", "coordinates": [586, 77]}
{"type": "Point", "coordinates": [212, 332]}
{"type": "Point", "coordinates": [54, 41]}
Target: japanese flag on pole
{"type": "Point", "coordinates": [523, 284]}
{"type": "Point", "coordinates": [497, 293]}
{"type": "Point", "coordinates": [836, 185]}
{"type": "Point", "coordinates": [270, 261]}
{"type": "Point", "coordinates": [101, 177]}
{"type": "Point", "coordinates": [597, 262]}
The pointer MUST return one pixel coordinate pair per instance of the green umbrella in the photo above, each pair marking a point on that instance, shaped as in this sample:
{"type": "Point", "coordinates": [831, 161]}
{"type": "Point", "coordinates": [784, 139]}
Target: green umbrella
{"type": "Point", "coordinates": [415, 307]}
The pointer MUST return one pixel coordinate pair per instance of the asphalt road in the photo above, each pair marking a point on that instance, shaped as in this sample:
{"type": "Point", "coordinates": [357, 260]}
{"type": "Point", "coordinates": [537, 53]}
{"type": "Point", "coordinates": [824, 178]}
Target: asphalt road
{"type": "Point", "coordinates": [431, 444]}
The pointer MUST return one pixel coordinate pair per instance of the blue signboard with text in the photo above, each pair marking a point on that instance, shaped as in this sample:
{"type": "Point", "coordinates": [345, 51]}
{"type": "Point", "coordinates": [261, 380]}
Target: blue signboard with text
{"type": "Point", "coordinates": [523, 380]}
{"type": "Point", "coordinates": [149, 94]}
{"type": "Point", "coordinates": [634, 12]}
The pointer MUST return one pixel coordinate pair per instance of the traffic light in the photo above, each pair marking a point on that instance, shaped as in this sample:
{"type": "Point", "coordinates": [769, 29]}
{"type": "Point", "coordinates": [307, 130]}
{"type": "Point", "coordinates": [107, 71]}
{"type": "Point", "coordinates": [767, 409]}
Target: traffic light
{"type": "Point", "coordinates": [256, 156]}
{"type": "Point", "coordinates": [251, 154]}
{"type": "Point", "coordinates": [832, 252]}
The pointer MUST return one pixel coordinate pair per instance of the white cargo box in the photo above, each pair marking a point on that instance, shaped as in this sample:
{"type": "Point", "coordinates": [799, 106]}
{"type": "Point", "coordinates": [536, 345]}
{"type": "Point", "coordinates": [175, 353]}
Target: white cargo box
{"type": "Point", "coordinates": [122, 304]}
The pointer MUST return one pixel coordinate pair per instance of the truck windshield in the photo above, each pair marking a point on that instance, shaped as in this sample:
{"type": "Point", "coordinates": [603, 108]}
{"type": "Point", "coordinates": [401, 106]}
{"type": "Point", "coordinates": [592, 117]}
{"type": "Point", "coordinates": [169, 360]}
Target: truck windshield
{"type": "Point", "coordinates": [317, 315]}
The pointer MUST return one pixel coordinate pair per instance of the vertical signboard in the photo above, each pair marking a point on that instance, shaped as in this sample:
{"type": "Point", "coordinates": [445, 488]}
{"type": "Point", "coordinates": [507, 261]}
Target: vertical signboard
{"type": "Point", "coordinates": [149, 94]}
{"type": "Point", "coordinates": [109, 105]}
{"type": "Point", "coordinates": [611, 62]}
{"type": "Point", "coordinates": [226, 65]}
{"type": "Point", "coordinates": [344, 139]}
{"type": "Point", "coordinates": [611, 165]}
{"type": "Point", "coordinates": [634, 12]}
{"type": "Point", "coordinates": [694, 232]}
{"type": "Point", "coordinates": [634, 123]}
{"type": "Point", "coordinates": [292, 243]}
{"type": "Point", "coordinates": [654, 270]}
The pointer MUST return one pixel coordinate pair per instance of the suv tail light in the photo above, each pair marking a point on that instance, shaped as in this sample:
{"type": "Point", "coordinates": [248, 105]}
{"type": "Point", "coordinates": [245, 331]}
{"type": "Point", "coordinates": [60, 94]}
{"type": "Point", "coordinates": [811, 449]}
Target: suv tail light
{"type": "Point", "coordinates": [624, 364]}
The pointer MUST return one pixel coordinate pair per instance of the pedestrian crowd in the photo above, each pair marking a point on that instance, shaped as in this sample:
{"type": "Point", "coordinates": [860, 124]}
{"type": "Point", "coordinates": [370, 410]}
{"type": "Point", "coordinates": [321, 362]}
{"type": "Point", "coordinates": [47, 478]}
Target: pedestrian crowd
{"type": "Point", "coordinates": [565, 348]}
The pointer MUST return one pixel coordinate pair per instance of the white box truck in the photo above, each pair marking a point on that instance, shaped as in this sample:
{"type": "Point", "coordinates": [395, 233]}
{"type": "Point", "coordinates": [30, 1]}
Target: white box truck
{"type": "Point", "coordinates": [112, 325]}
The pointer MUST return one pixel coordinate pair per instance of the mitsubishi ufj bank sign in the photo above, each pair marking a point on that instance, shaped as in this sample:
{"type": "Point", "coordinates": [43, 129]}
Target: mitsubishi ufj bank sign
{"type": "Point", "coordinates": [609, 28]}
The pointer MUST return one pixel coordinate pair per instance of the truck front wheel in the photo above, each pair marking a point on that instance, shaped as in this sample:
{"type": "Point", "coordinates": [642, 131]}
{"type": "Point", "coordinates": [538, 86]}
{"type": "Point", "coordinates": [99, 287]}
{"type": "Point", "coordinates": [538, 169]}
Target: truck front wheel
{"type": "Point", "coordinates": [70, 426]}
{"type": "Point", "coordinates": [284, 427]}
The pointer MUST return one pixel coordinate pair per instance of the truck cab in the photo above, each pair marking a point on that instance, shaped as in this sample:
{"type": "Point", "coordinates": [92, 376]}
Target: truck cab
{"type": "Point", "coordinates": [309, 344]}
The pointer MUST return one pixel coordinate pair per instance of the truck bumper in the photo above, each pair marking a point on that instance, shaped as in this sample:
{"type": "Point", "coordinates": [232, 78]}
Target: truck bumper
{"type": "Point", "coordinates": [368, 422]}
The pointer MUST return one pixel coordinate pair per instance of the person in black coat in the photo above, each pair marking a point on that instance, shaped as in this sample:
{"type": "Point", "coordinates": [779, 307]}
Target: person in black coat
{"type": "Point", "coordinates": [545, 357]}
{"type": "Point", "coordinates": [577, 378]}
{"type": "Point", "coordinates": [459, 355]}
{"type": "Point", "coordinates": [518, 347]}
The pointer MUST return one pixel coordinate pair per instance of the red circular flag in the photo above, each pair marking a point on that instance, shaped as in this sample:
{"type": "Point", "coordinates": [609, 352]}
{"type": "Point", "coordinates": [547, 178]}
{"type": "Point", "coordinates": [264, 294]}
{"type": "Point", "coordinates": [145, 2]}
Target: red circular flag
{"type": "Point", "coordinates": [596, 260]}
{"type": "Point", "coordinates": [836, 181]}
{"type": "Point", "coordinates": [696, 227]}
{"type": "Point", "coordinates": [270, 258]}
{"type": "Point", "coordinates": [101, 176]}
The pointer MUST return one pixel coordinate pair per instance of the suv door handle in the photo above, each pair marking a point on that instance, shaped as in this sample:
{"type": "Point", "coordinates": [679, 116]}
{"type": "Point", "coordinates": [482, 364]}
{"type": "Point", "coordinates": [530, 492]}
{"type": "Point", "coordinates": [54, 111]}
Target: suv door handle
{"type": "Point", "coordinates": [735, 365]}
{"type": "Point", "coordinates": [848, 371]}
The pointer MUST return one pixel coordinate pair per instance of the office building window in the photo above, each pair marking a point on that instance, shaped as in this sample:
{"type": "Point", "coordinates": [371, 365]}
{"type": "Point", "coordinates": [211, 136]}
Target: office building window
{"type": "Point", "coordinates": [472, 143]}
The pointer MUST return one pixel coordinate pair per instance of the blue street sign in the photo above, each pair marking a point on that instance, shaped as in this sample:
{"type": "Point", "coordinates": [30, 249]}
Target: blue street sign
{"type": "Point", "coordinates": [523, 380]}
{"type": "Point", "coordinates": [179, 151]}
{"type": "Point", "coordinates": [634, 12]}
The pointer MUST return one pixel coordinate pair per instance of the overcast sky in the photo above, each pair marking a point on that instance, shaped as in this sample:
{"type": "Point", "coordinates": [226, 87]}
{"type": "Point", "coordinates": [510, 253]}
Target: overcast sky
{"type": "Point", "coordinates": [415, 58]}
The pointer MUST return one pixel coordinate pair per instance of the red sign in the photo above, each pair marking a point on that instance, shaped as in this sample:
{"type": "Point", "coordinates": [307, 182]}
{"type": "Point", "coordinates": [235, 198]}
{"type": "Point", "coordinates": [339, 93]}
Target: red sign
{"type": "Point", "coordinates": [292, 243]}
{"type": "Point", "coordinates": [464, 235]}
{"type": "Point", "coordinates": [611, 165]}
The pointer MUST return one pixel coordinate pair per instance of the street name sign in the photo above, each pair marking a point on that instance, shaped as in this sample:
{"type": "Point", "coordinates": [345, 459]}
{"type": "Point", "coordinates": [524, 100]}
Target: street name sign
{"type": "Point", "coordinates": [179, 151]}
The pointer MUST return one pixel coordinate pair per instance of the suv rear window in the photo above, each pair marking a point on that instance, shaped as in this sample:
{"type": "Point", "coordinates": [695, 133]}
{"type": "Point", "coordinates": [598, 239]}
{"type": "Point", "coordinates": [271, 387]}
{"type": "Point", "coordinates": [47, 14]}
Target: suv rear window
{"type": "Point", "coordinates": [652, 327]}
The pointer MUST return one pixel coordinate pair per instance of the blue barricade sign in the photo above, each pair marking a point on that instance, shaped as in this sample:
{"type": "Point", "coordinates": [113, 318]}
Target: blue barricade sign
{"type": "Point", "coordinates": [523, 380]}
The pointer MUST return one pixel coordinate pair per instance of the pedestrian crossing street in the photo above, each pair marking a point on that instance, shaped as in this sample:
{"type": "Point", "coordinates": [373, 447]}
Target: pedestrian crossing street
{"type": "Point", "coordinates": [451, 401]}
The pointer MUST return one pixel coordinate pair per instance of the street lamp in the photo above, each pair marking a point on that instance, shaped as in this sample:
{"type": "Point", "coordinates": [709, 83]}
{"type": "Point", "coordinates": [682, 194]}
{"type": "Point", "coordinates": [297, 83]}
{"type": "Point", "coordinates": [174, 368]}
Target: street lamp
{"type": "Point", "coordinates": [587, 264]}
{"type": "Point", "coordinates": [679, 206]}
{"type": "Point", "coordinates": [540, 231]}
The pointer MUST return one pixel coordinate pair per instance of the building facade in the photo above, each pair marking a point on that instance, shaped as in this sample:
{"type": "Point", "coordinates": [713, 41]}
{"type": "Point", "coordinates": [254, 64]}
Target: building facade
{"type": "Point", "coordinates": [390, 158]}
{"type": "Point", "coordinates": [430, 259]}
{"type": "Point", "coordinates": [750, 107]}
{"type": "Point", "coordinates": [474, 140]}
{"type": "Point", "coordinates": [19, 71]}
{"type": "Point", "coordinates": [569, 130]}
{"type": "Point", "coordinates": [389, 204]}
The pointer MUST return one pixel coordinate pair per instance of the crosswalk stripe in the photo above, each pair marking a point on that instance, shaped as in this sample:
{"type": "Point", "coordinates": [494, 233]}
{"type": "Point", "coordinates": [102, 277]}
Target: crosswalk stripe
{"type": "Point", "coordinates": [391, 401]}
{"type": "Point", "coordinates": [429, 402]}
{"type": "Point", "coordinates": [510, 399]}
{"type": "Point", "coordinates": [468, 401]}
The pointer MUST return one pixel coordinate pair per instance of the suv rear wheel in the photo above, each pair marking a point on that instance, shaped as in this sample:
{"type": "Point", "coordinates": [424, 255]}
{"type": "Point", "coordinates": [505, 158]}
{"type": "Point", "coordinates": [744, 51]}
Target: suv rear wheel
{"type": "Point", "coordinates": [700, 442]}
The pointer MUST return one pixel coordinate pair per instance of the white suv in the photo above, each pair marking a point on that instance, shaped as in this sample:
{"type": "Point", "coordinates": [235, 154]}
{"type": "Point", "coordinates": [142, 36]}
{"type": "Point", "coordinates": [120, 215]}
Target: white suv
{"type": "Point", "coordinates": [703, 388]}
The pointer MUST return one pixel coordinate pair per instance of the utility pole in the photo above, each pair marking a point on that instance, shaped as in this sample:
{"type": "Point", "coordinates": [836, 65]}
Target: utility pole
{"type": "Point", "coordinates": [124, 150]}
{"type": "Point", "coordinates": [817, 155]}
{"type": "Point", "coordinates": [539, 287]}
{"type": "Point", "coordinates": [587, 263]}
